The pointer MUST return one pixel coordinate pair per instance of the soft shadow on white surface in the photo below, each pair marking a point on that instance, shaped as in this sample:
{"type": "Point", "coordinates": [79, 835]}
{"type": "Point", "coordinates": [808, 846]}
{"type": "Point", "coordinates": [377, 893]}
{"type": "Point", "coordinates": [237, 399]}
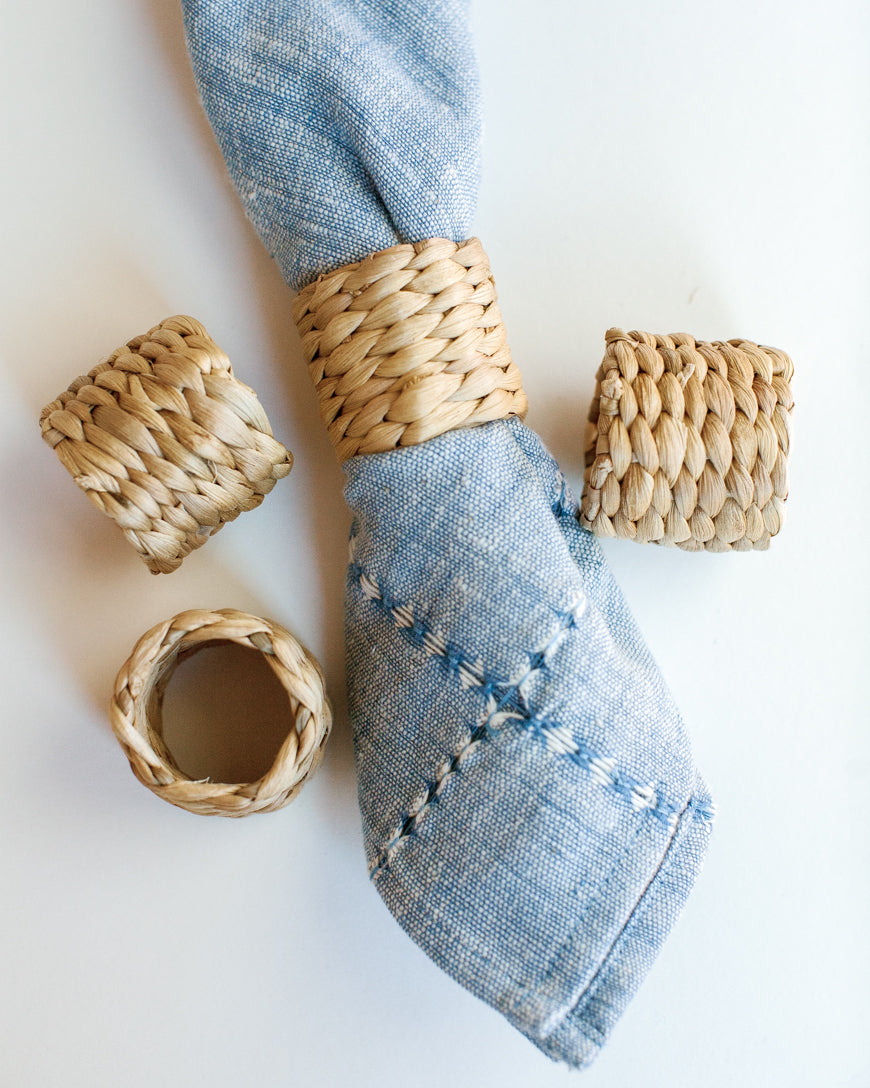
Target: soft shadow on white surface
{"type": "Point", "coordinates": [225, 715]}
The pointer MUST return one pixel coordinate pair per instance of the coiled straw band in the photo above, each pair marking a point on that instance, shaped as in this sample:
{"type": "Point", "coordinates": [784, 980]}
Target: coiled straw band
{"type": "Point", "coordinates": [136, 712]}
{"type": "Point", "coordinates": [407, 344]}
{"type": "Point", "coordinates": [164, 439]}
{"type": "Point", "coordinates": [689, 442]}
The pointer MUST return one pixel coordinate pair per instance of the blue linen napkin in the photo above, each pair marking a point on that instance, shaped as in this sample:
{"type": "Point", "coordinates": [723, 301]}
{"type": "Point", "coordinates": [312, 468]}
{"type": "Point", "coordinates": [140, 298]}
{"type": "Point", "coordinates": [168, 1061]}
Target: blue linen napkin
{"type": "Point", "coordinates": [531, 811]}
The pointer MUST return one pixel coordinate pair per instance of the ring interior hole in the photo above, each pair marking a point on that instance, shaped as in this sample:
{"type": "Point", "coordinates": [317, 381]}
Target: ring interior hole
{"type": "Point", "coordinates": [224, 714]}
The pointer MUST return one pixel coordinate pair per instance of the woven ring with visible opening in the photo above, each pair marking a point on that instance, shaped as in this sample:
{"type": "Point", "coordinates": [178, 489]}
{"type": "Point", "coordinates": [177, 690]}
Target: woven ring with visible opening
{"type": "Point", "coordinates": [407, 344]}
{"type": "Point", "coordinates": [136, 712]}
{"type": "Point", "coordinates": [163, 438]}
{"type": "Point", "coordinates": [689, 442]}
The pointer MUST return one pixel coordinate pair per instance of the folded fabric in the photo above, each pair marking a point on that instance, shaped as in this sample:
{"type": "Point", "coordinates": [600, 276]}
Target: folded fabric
{"type": "Point", "coordinates": [531, 811]}
{"type": "Point", "coordinates": [346, 125]}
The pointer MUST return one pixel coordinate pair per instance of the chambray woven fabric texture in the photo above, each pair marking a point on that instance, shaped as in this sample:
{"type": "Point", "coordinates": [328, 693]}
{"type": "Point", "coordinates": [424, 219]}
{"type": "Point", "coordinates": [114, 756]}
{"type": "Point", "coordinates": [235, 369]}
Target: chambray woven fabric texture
{"type": "Point", "coordinates": [346, 125]}
{"type": "Point", "coordinates": [531, 812]}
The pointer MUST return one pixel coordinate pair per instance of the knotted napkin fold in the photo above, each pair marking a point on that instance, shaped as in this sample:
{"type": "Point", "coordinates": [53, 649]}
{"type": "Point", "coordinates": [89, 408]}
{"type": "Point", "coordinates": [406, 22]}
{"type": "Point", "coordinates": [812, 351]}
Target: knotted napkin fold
{"type": "Point", "coordinates": [531, 811]}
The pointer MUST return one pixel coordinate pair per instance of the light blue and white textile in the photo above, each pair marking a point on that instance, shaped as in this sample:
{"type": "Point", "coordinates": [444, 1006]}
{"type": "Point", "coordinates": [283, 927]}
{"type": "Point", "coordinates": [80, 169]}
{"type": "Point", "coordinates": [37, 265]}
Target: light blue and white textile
{"type": "Point", "coordinates": [531, 810]}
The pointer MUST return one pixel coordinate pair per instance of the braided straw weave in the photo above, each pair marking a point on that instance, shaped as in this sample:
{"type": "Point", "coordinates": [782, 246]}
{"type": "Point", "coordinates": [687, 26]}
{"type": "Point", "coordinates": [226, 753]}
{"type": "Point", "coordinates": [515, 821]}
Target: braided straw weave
{"type": "Point", "coordinates": [689, 442]}
{"type": "Point", "coordinates": [407, 344]}
{"type": "Point", "coordinates": [136, 712]}
{"type": "Point", "coordinates": [165, 440]}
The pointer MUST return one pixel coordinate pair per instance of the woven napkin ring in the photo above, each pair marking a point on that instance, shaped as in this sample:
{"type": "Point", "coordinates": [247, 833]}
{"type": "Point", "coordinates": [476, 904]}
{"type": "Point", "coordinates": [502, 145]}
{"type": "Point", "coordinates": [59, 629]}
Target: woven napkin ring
{"type": "Point", "coordinates": [163, 438]}
{"type": "Point", "coordinates": [688, 442]}
{"type": "Point", "coordinates": [407, 344]}
{"type": "Point", "coordinates": [136, 712]}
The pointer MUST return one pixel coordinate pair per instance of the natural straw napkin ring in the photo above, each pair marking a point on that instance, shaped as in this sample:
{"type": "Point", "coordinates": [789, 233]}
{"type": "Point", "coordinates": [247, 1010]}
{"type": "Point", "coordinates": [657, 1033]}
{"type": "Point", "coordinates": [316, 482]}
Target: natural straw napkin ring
{"type": "Point", "coordinates": [136, 712]}
{"type": "Point", "coordinates": [407, 344]}
{"type": "Point", "coordinates": [689, 442]}
{"type": "Point", "coordinates": [163, 438]}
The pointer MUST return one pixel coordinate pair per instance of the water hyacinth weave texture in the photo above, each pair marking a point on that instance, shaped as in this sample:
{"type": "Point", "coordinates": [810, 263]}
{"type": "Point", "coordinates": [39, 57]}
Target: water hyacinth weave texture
{"type": "Point", "coordinates": [531, 810]}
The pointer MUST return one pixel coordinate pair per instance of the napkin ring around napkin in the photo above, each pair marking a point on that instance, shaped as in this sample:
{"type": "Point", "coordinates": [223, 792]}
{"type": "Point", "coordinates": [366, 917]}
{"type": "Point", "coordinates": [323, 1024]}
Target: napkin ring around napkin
{"type": "Point", "coordinates": [406, 345]}
{"type": "Point", "coordinates": [688, 442]}
{"type": "Point", "coordinates": [136, 711]}
{"type": "Point", "coordinates": [163, 438]}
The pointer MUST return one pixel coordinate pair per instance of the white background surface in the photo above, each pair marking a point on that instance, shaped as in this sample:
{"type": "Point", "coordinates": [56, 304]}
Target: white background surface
{"type": "Point", "coordinates": [662, 166]}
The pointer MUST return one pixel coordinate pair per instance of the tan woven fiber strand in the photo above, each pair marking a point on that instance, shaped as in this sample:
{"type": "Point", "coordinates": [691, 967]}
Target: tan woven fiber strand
{"type": "Point", "coordinates": [136, 712]}
{"type": "Point", "coordinates": [407, 344]}
{"type": "Point", "coordinates": [163, 438]}
{"type": "Point", "coordinates": [689, 442]}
